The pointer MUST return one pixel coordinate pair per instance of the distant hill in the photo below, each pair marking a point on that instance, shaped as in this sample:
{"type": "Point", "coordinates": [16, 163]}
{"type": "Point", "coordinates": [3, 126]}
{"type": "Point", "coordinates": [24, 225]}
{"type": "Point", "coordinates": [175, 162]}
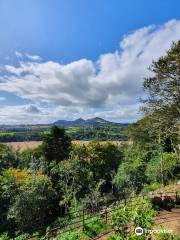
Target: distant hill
{"type": "Point", "coordinates": [89, 122]}
{"type": "Point", "coordinates": [80, 122]}
{"type": "Point", "coordinates": [79, 129]}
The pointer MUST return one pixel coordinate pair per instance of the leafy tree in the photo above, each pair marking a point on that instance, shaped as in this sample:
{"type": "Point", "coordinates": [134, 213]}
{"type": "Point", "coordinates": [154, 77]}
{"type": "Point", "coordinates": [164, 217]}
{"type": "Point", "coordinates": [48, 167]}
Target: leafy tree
{"type": "Point", "coordinates": [130, 178]}
{"type": "Point", "coordinates": [104, 160]}
{"type": "Point", "coordinates": [75, 178]}
{"type": "Point", "coordinates": [33, 159]}
{"type": "Point", "coordinates": [56, 145]}
{"type": "Point", "coordinates": [169, 168]}
{"type": "Point", "coordinates": [163, 102]}
{"type": "Point", "coordinates": [26, 200]}
{"type": "Point", "coordinates": [8, 158]}
{"type": "Point", "coordinates": [94, 197]}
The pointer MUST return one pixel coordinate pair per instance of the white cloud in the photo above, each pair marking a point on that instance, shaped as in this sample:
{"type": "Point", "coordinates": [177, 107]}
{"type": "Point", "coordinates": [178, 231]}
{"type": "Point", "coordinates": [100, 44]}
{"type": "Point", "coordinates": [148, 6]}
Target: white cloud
{"type": "Point", "coordinates": [32, 114]}
{"type": "Point", "coordinates": [33, 57]}
{"type": "Point", "coordinates": [109, 87]}
{"type": "Point", "coordinates": [18, 114]}
{"type": "Point", "coordinates": [28, 56]}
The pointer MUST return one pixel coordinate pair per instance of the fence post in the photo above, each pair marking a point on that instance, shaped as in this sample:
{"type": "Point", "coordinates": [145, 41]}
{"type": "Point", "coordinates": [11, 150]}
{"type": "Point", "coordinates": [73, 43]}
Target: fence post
{"type": "Point", "coordinates": [176, 196]}
{"type": "Point", "coordinates": [83, 221]}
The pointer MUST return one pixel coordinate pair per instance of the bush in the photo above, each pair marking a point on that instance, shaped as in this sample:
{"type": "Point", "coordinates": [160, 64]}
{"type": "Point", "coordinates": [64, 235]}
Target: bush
{"type": "Point", "coordinates": [166, 236]}
{"type": "Point", "coordinates": [94, 226]}
{"type": "Point", "coordinates": [26, 200]}
{"type": "Point", "coordinates": [22, 236]}
{"type": "Point", "coordinates": [151, 187]}
{"type": "Point", "coordinates": [115, 238]}
{"type": "Point", "coordinates": [4, 236]}
{"type": "Point", "coordinates": [131, 236]}
{"type": "Point", "coordinates": [138, 213]}
{"type": "Point", "coordinates": [68, 236]}
{"type": "Point", "coordinates": [8, 158]}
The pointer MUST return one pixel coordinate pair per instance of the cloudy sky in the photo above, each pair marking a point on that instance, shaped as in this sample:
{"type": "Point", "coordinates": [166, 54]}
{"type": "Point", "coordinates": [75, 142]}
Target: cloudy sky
{"type": "Point", "coordinates": [65, 59]}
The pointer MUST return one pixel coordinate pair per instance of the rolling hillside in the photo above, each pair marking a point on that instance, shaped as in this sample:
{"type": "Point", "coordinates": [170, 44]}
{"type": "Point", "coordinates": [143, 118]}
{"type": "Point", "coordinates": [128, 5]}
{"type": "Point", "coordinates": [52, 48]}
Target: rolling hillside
{"type": "Point", "coordinates": [79, 129]}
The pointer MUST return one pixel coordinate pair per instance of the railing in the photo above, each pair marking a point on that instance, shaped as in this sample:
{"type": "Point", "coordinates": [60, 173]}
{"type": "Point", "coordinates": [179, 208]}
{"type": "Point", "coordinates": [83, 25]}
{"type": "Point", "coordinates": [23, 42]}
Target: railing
{"type": "Point", "coordinates": [83, 217]}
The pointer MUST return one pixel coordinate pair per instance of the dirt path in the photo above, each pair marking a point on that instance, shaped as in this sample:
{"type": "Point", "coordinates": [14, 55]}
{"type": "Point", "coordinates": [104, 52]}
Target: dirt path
{"type": "Point", "coordinates": [169, 220]}
{"type": "Point", "coordinates": [105, 237]}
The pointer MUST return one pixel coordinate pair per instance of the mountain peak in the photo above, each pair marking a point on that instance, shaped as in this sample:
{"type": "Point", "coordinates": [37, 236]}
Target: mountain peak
{"type": "Point", "coordinates": [96, 121]}
{"type": "Point", "coordinates": [79, 120]}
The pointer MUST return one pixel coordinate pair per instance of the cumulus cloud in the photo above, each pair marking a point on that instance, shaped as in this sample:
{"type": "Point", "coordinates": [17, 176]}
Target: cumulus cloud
{"type": "Point", "coordinates": [111, 86]}
{"type": "Point", "coordinates": [19, 114]}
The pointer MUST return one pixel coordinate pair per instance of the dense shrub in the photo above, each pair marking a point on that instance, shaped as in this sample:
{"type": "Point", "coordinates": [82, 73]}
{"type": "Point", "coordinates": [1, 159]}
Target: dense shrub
{"type": "Point", "coordinates": [138, 213]}
{"type": "Point", "coordinates": [26, 199]}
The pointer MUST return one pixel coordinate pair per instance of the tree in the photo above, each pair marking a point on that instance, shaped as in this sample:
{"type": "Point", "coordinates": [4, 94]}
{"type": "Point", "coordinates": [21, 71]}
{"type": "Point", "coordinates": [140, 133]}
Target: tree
{"type": "Point", "coordinates": [8, 158]}
{"type": "Point", "coordinates": [75, 178]}
{"type": "Point", "coordinates": [163, 90]}
{"type": "Point", "coordinates": [56, 145]}
{"type": "Point", "coordinates": [25, 200]}
{"type": "Point", "coordinates": [130, 178]}
{"type": "Point", "coordinates": [104, 160]}
{"type": "Point", "coordinates": [169, 169]}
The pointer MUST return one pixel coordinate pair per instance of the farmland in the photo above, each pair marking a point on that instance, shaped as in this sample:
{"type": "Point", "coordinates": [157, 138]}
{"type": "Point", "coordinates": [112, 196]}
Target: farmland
{"type": "Point", "coordinates": [101, 132]}
{"type": "Point", "coordinates": [34, 144]}
{"type": "Point", "coordinates": [24, 145]}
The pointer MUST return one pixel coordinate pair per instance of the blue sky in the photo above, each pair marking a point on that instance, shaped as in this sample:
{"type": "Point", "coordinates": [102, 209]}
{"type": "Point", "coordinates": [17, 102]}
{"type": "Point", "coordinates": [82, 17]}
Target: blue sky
{"type": "Point", "coordinates": [67, 59]}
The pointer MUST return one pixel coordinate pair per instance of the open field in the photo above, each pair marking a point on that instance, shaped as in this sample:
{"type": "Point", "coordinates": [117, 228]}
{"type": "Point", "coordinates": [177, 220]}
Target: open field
{"type": "Point", "coordinates": [24, 145]}
{"type": "Point", "coordinates": [34, 144]}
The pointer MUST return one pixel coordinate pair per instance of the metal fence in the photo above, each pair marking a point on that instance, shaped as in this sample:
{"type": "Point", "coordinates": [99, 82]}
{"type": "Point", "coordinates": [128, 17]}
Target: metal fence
{"type": "Point", "coordinates": [82, 218]}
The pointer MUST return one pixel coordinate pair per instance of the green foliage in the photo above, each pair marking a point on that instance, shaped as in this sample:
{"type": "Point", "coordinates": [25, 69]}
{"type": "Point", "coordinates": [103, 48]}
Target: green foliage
{"type": "Point", "coordinates": [104, 156]}
{"type": "Point", "coordinates": [102, 132]}
{"type": "Point", "coordinates": [82, 177]}
{"type": "Point", "coordinates": [138, 213]}
{"type": "Point", "coordinates": [32, 159]}
{"type": "Point", "coordinates": [115, 238]}
{"type": "Point", "coordinates": [166, 236]}
{"type": "Point", "coordinates": [4, 236]}
{"type": "Point", "coordinates": [8, 158]}
{"type": "Point", "coordinates": [20, 136]}
{"type": "Point", "coordinates": [25, 199]}
{"type": "Point", "coordinates": [94, 227]}
{"type": "Point", "coordinates": [166, 163]}
{"type": "Point", "coordinates": [94, 197]}
{"type": "Point", "coordinates": [151, 187]}
{"type": "Point", "coordinates": [30, 199]}
{"type": "Point", "coordinates": [56, 145]}
{"type": "Point", "coordinates": [22, 236]}
{"type": "Point", "coordinates": [162, 104]}
{"type": "Point", "coordinates": [75, 178]}
{"type": "Point", "coordinates": [68, 236]}
{"type": "Point", "coordinates": [130, 177]}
